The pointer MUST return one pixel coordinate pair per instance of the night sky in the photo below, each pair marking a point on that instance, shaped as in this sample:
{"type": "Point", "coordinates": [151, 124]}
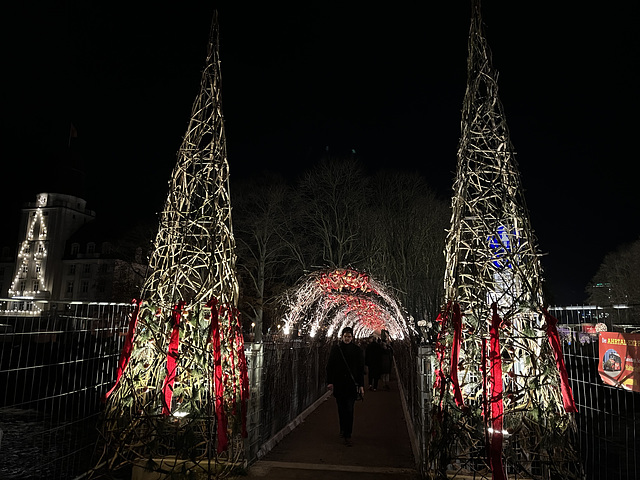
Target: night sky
{"type": "Point", "coordinates": [386, 82]}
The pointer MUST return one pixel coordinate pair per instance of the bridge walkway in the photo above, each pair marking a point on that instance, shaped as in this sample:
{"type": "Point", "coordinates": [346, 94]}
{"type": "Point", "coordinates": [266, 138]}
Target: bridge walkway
{"type": "Point", "coordinates": [314, 450]}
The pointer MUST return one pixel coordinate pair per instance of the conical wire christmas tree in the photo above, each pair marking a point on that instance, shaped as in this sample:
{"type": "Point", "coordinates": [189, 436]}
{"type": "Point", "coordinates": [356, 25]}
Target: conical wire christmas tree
{"type": "Point", "coordinates": [179, 402]}
{"type": "Point", "coordinates": [501, 399]}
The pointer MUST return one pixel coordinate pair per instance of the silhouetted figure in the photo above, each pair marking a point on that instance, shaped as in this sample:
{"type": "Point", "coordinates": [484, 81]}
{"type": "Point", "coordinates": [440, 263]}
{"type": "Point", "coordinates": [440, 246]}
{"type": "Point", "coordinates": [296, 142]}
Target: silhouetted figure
{"type": "Point", "coordinates": [345, 377]}
{"type": "Point", "coordinates": [386, 360]}
{"type": "Point", "coordinates": [373, 361]}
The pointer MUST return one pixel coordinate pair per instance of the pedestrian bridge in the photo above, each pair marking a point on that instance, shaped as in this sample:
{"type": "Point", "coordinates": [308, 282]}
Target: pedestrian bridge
{"type": "Point", "coordinates": [310, 447]}
{"type": "Point", "coordinates": [57, 368]}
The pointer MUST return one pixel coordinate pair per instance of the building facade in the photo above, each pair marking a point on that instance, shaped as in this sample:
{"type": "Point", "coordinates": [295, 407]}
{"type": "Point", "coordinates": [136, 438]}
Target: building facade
{"type": "Point", "coordinates": [63, 256]}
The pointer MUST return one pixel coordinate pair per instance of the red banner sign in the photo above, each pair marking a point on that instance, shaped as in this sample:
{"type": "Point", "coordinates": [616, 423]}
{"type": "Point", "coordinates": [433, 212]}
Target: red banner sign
{"type": "Point", "coordinates": [619, 360]}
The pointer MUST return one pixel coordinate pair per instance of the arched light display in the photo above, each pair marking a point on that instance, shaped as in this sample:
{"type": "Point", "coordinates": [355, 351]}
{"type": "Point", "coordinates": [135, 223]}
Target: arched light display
{"type": "Point", "coordinates": [326, 301]}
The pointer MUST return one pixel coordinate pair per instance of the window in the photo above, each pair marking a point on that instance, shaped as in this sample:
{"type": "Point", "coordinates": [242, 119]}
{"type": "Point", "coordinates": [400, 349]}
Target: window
{"type": "Point", "coordinates": [75, 248]}
{"type": "Point", "coordinates": [38, 268]}
{"type": "Point", "coordinates": [25, 268]}
{"type": "Point", "coordinates": [36, 285]}
{"type": "Point", "coordinates": [87, 268]}
{"type": "Point", "coordinates": [84, 286]}
{"type": "Point", "coordinates": [23, 285]}
{"type": "Point", "coordinates": [103, 268]}
{"type": "Point", "coordinates": [91, 247]}
{"type": "Point", "coordinates": [70, 287]}
{"type": "Point", "coordinates": [72, 269]}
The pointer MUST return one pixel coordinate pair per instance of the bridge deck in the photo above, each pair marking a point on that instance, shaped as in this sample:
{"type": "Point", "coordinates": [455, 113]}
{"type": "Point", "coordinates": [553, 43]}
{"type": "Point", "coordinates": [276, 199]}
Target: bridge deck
{"type": "Point", "coordinates": [314, 450]}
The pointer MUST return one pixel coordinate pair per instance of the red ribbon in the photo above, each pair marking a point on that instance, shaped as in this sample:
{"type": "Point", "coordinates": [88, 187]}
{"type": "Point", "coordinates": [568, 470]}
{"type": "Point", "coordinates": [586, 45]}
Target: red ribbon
{"type": "Point", "coordinates": [125, 355]}
{"type": "Point", "coordinates": [440, 383]}
{"type": "Point", "coordinates": [485, 403]}
{"type": "Point", "coordinates": [172, 358]}
{"type": "Point", "coordinates": [554, 340]}
{"type": "Point", "coordinates": [223, 441]}
{"type": "Point", "coordinates": [497, 410]}
{"type": "Point", "coordinates": [455, 354]}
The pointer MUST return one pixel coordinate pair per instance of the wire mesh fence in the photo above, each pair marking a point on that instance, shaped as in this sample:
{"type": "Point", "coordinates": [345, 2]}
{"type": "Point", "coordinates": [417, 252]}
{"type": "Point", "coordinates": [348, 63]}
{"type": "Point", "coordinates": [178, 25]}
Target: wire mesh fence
{"type": "Point", "coordinates": [292, 379]}
{"type": "Point", "coordinates": [55, 369]}
{"type": "Point", "coordinates": [608, 417]}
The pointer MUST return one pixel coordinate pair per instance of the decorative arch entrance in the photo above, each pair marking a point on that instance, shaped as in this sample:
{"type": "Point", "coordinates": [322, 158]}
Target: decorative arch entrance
{"type": "Point", "coordinates": [326, 301]}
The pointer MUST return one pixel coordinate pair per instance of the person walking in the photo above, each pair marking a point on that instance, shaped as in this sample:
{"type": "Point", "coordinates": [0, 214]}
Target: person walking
{"type": "Point", "coordinates": [345, 377]}
{"type": "Point", "coordinates": [373, 361]}
{"type": "Point", "coordinates": [386, 362]}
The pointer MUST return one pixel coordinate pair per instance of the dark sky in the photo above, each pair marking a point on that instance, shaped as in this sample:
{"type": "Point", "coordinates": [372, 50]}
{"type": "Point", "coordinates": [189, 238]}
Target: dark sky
{"type": "Point", "coordinates": [388, 82]}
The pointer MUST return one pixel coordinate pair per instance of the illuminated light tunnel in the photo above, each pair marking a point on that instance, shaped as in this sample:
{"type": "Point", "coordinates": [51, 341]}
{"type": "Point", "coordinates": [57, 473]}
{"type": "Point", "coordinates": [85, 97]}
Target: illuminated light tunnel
{"type": "Point", "coordinates": [325, 302]}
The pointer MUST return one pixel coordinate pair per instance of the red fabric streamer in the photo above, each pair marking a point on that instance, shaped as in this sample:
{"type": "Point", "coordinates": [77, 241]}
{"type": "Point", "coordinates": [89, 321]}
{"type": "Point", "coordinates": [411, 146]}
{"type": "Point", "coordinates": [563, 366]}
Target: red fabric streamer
{"type": "Point", "coordinates": [440, 383]}
{"type": "Point", "coordinates": [455, 354]}
{"type": "Point", "coordinates": [125, 355]}
{"type": "Point", "coordinates": [172, 358]}
{"type": "Point", "coordinates": [485, 403]}
{"type": "Point", "coordinates": [497, 409]}
{"type": "Point", "coordinates": [231, 358]}
{"type": "Point", "coordinates": [223, 441]}
{"type": "Point", "coordinates": [554, 340]}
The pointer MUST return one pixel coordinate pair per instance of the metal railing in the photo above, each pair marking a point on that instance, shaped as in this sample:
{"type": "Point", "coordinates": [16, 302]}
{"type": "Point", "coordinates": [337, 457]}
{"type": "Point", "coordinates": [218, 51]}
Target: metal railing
{"type": "Point", "coordinates": [57, 366]}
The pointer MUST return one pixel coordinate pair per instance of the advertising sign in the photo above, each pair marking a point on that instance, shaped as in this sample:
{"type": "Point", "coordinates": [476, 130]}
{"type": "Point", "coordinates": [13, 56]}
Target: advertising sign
{"type": "Point", "coordinates": [619, 360]}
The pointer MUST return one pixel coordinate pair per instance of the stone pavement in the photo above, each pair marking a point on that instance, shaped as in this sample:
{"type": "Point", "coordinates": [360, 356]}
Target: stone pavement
{"type": "Point", "coordinates": [314, 450]}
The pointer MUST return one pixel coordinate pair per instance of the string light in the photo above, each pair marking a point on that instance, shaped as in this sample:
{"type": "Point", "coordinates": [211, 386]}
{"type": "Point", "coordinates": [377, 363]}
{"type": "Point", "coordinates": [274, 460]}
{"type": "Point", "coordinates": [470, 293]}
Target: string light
{"type": "Point", "coordinates": [33, 251]}
{"type": "Point", "coordinates": [331, 300]}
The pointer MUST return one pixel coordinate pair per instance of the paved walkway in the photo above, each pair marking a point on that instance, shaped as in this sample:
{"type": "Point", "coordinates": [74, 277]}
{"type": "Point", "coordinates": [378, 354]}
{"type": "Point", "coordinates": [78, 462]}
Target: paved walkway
{"type": "Point", "coordinates": [314, 450]}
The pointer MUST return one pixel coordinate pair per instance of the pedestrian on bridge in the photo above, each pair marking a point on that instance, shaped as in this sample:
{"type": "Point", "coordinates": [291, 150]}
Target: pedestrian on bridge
{"type": "Point", "coordinates": [373, 361]}
{"type": "Point", "coordinates": [345, 377]}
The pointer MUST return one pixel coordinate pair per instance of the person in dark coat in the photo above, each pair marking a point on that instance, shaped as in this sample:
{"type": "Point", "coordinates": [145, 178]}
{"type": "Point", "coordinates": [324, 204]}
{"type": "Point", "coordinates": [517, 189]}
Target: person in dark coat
{"type": "Point", "coordinates": [386, 362]}
{"type": "Point", "coordinates": [345, 377]}
{"type": "Point", "coordinates": [373, 361]}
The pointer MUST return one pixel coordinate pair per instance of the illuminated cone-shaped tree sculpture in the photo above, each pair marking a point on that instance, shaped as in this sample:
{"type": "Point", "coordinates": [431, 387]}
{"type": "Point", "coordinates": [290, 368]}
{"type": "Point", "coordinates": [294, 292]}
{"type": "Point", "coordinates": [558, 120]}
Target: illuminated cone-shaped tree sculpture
{"type": "Point", "coordinates": [182, 380]}
{"type": "Point", "coordinates": [501, 399]}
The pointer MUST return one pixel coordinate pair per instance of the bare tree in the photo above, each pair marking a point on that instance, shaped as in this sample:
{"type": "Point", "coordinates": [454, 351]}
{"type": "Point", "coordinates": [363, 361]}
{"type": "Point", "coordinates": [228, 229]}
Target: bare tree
{"type": "Point", "coordinates": [330, 201]}
{"type": "Point", "coordinates": [617, 280]}
{"type": "Point", "coordinates": [258, 221]}
{"type": "Point", "coordinates": [406, 233]}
